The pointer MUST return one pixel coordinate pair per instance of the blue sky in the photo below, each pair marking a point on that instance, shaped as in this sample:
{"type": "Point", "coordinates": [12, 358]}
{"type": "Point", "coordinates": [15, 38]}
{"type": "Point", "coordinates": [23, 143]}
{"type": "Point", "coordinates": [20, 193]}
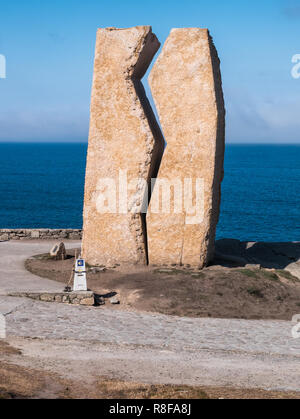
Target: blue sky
{"type": "Point", "coordinates": [49, 48]}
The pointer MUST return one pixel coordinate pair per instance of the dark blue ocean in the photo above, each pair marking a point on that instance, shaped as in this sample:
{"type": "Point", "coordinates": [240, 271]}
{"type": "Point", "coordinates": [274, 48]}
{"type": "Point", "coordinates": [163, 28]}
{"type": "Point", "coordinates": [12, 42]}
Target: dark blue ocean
{"type": "Point", "coordinates": [41, 186]}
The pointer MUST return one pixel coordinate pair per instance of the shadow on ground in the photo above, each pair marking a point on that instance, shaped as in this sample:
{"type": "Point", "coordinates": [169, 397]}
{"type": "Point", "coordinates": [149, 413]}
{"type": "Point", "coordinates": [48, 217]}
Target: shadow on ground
{"type": "Point", "coordinates": [233, 253]}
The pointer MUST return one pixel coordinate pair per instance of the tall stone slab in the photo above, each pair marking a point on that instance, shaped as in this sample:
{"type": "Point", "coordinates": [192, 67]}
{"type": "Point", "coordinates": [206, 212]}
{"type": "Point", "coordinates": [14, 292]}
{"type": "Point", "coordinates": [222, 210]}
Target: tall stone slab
{"type": "Point", "coordinates": [187, 90]}
{"type": "Point", "coordinates": [125, 146]}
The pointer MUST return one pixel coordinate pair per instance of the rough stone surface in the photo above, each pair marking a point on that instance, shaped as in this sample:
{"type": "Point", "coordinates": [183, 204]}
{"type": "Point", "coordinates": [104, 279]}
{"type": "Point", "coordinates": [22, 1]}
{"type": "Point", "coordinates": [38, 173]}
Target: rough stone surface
{"type": "Point", "coordinates": [86, 301]}
{"type": "Point", "coordinates": [58, 251]}
{"type": "Point", "coordinates": [42, 234]}
{"type": "Point", "coordinates": [82, 298]}
{"type": "Point", "coordinates": [46, 297]}
{"type": "Point", "coordinates": [123, 136]}
{"type": "Point", "coordinates": [187, 90]}
{"type": "Point", "coordinates": [35, 234]}
{"type": "Point", "coordinates": [114, 301]}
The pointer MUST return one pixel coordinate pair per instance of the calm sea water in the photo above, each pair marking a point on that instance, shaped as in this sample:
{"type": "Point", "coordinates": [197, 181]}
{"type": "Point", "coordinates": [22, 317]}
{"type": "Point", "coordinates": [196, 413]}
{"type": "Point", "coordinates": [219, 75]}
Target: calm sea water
{"type": "Point", "coordinates": [41, 186]}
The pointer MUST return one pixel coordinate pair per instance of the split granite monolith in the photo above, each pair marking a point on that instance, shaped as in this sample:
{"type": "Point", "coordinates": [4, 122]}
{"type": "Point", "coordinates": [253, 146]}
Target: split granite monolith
{"type": "Point", "coordinates": [187, 90]}
{"type": "Point", "coordinates": [125, 146]}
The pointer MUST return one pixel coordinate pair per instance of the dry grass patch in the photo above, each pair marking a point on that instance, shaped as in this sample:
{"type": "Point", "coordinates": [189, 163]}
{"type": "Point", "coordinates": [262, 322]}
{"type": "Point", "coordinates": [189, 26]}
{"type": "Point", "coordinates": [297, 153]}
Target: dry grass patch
{"type": "Point", "coordinates": [114, 389]}
{"type": "Point", "coordinates": [17, 382]}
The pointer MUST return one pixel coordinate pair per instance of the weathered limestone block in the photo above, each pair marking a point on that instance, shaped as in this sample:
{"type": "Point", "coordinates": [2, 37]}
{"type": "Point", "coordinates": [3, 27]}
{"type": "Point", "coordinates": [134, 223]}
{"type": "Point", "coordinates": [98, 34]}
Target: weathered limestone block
{"type": "Point", "coordinates": [124, 141]}
{"type": "Point", "coordinates": [58, 251]}
{"type": "Point", "coordinates": [187, 90]}
{"type": "Point", "coordinates": [82, 298]}
{"type": "Point", "coordinates": [35, 234]}
{"type": "Point", "coordinates": [47, 297]}
{"type": "Point", "coordinates": [87, 301]}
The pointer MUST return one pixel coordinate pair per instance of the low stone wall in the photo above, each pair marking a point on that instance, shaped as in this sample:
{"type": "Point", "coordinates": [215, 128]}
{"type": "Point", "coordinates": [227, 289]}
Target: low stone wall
{"type": "Point", "coordinates": [78, 298]}
{"type": "Point", "coordinates": [43, 233]}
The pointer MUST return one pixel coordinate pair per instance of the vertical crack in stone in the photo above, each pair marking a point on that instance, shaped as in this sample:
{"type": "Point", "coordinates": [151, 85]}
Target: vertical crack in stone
{"type": "Point", "coordinates": [156, 154]}
{"type": "Point", "coordinates": [124, 135]}
{"type": "Point", "coordinates": [155, 151]}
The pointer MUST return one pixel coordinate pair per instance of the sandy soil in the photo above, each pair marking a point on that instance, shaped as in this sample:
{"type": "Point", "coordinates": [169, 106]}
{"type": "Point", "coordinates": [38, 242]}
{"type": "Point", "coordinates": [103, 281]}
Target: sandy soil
{"type": "Point", "coordinates": [217, 291]}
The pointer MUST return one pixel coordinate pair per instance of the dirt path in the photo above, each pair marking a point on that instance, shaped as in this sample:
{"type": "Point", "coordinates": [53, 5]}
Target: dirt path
{"type": "Point", "coordinates": [85, 362]}
{"type": "Point", "coordinates": [13, 275]}
{"type": "Point", "coordinates": [87, 342]}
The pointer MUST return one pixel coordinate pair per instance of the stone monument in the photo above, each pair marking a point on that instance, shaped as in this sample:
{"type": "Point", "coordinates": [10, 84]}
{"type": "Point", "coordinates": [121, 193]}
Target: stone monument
{"type": "Point", "coordinates": [187, 90]}
{"type": "Point", "coordinates": [125, 148]}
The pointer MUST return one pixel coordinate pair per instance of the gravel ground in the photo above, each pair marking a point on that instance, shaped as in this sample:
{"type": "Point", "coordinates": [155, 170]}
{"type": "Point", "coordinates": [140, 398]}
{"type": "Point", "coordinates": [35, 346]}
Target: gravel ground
{"type": "Point", "coordinates": [83, 343]}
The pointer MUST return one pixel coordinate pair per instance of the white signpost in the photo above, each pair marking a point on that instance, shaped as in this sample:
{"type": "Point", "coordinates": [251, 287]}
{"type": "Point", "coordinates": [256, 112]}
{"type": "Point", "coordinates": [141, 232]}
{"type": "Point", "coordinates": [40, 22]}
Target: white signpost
{"type": "Point", "coordinates": [80, 283]}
